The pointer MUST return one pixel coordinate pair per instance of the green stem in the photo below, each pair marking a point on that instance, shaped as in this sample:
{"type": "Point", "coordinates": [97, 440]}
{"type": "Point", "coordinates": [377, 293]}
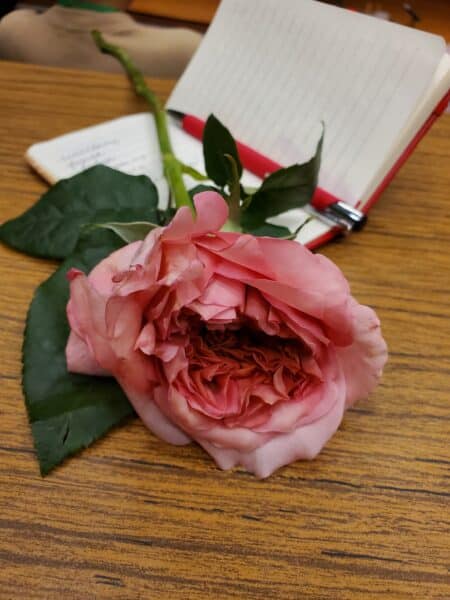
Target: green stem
{"type": "Point", "coordinates": [171, 165]}
{"type": "Point", "coordinates": [234, 199]}
{"type": "Point", "coordinates": [188, 170]}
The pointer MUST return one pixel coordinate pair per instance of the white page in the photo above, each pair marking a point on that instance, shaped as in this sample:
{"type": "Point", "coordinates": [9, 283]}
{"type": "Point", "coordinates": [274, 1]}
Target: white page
{"type": "Point", "coordinates": [130, 144]}
{"type": "Point", "coordinates": [439, 87]}
{"type": "Point", "coordinates": [271, 70]}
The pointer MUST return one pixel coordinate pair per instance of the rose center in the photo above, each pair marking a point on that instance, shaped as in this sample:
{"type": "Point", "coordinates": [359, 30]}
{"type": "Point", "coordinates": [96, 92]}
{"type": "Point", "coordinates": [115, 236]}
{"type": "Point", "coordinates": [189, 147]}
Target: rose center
{"type": "Point", "coordinates": [236, 372]}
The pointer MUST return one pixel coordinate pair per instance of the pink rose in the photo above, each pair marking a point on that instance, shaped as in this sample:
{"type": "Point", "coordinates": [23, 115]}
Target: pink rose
{"type": "Point", "coordinates": [251, 346]}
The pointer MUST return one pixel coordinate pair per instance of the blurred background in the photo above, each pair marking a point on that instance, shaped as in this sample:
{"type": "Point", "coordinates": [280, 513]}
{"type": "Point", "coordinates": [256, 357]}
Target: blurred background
{"type": "Point", "coordinates": [160, 35]}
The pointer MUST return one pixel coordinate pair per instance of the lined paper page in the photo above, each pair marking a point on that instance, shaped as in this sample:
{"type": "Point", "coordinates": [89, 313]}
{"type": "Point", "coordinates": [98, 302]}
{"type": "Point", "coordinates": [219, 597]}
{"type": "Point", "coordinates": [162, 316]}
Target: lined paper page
{"type": "Point", "coordinates": [439, 87]}
{"type": "Point", "coordinates": [129, 144]}
{"type": "Point", "coordinates": [272, 70]}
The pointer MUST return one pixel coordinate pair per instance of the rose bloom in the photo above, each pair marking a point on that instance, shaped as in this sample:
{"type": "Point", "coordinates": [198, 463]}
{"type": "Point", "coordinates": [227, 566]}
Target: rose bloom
{"type": "Point", "coordinates": [251, 346]}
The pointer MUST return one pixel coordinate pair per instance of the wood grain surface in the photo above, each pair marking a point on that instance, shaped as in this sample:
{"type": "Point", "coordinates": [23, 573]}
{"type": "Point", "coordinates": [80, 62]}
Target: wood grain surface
{"type": "Point", "coordinates": [135, 518]}
{"type": "Point", "coordinates": [200, 11]}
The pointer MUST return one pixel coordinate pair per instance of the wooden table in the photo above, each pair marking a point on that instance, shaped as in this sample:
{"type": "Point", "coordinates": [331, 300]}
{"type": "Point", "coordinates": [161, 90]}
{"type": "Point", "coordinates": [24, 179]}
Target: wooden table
{"type": "Point", "coordinates": [133, 517]}
{"type": "Point", "coordinates": [200, 11]}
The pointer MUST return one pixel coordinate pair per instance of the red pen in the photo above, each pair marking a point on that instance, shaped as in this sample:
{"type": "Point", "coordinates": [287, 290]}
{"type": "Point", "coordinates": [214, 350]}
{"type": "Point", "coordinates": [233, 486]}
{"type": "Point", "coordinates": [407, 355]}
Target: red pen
{"type": "Point", "coordinates": [335, 211]}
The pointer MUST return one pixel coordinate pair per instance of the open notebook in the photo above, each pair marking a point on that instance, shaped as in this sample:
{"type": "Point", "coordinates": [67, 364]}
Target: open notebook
{"type": "Point", "coordinates": [272, 70]}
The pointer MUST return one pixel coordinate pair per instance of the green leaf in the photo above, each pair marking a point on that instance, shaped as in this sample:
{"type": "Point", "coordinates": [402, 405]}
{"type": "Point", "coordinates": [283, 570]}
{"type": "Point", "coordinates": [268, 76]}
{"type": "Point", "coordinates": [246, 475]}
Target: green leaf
{"type": "Point", "coordinates": [198, 189]}
{"type": "Point", "coordinates": [217, 142]}
{"type": "Point", "coordinates": [51, 227]}
{"type": "Point", "coordinates": [67, 411]}
{"type": "Point", "coordinates": [269, 230]}
{"type": "Point", "coordinates": [279, 231]}
{"type": "Point", "coordinates": [129, 232]}
{"type": "Point", "coordinates": [288, 188]}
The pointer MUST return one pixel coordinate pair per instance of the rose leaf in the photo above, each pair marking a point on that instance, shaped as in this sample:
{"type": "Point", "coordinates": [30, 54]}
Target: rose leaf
{"type": "Point", "coordinates": [129, 232]}
{"type": "Point", "coordinates": [270, 230]}
{"type": "Point", "coordinates": [201, 187]}
{"type": "Point", "coordinates": [217, 142]}
{"type": "Point", "coordinates": [285, 189]}
{"type": "Point", "coordinates": [51, 227]}
{"type": "Point", "coordinates": [67, 411]}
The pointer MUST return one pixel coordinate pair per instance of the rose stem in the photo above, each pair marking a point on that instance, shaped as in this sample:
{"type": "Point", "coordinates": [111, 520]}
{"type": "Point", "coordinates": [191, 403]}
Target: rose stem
{"type": "Point", "coordinates": [171, 165]}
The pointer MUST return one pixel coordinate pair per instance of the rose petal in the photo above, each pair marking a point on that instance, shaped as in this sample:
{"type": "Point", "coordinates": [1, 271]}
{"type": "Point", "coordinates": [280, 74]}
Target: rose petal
{"type": "Point", "coordinates": [79, 358]}
{"type": "Point", "coordinates": [363, 361]}
{"type": "Point", "coordinates": [201, 427]}
{"type": "Point", "coordinates": [223, 292]}
{"type": "Point", "coordinates": [243, 250]}
{"type": "Point", "coordinates": [101, 276]}
{"type": "Point", "coordinates": [147, 339]}
{"type": "Point", "coordinates": [153, 418]}
{"type": "Point", "coordinates": [211, 214]}
{"type": "Point", "coordinates": [303, 443]}
{"type": "Point", "coordinates": [86, 315]}
{"type": "Point", "coordinates": [333, 311]}
{"type": "Point", "coordinates": [297, 266]}
{"type": "Point", "coordinates": [86, 312]}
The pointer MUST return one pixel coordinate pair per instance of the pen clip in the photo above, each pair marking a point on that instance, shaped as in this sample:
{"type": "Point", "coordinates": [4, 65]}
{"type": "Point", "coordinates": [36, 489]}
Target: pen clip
{"type": "Point", "coordinates": [339, 214]}
{"type": "Point", "coordinates": [345, 215]}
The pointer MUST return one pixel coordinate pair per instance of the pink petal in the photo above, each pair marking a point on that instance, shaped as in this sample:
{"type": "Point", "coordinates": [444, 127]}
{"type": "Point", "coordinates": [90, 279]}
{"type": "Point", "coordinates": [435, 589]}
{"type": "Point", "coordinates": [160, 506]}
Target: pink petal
{"type": "Point", "coordinates": [333, 311]}
{"type": "Point", "coordinates": [146, 340]}
{"type": "Point", "coordinates": [305, 327]}
{"type": "Point", "coordinates": [210, 251]}
{"type": "Point", "coordinates": [167, 351]}
{"type": "Point", "coordinates": [79, 358]}
{"type": "Point", "coordinates": [212, 212]}
{"type": "Point", "coordinates": [154, 419]}
{"type": "Point", "coordinates": [223, 292]}
{"type": "Point", "coordinates": [298, 267]}
{"type": "Point", "coordinates": [148, 249]}
{"type": "Point", "coordinates": [123, 317]}
{"type": "Point", "coordinates": [86, 315]}
{"type": "Point", "coordinates": [201, 427]}
{"type": "Point", "coordinates": [179, 263]}
{"type": "Point", "coordinates": [211, 311]}
{"type": "Point", "coordinates": [363, 361]}
{"type": "Point", "coordinates": [304, 443]}
{"type": "Point", "coordinates": [115, 353]}
{"type": "Point", "coordinates": [242, 250]}
{"type": "Point", "coordinates": [256, 307]}
{"type": "Point", "coordinates": [101, 276]}
{"type": "Point", "coordinates": [292, 274]}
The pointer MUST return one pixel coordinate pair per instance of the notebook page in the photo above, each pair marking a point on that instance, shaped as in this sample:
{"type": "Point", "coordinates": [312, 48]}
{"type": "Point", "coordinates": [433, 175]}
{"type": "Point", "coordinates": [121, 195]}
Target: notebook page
{"type": "Point", "coordinates": [272, 70]}
{"type": "Point", "coordinates": [437, 90]}
{"type": "Point", "coordinates": [130, 144]}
